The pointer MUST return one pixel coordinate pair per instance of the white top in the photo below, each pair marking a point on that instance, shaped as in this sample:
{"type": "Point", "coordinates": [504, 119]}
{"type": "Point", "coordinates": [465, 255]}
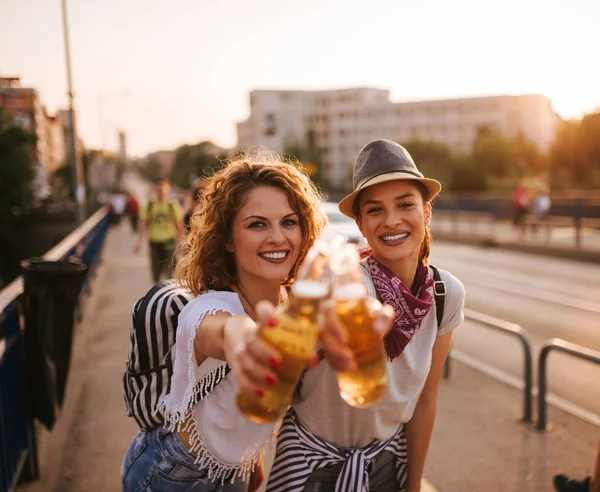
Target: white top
{"type": "Point", "coordinates": [220, 435]}
{"type": "Point", "coordinates": [324, 413]}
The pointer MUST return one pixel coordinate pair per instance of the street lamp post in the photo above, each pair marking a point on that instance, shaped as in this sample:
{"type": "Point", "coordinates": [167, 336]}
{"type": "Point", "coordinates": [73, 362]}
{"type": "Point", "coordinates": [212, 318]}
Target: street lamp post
{"type": "Point", "coordinates": [78, 177]}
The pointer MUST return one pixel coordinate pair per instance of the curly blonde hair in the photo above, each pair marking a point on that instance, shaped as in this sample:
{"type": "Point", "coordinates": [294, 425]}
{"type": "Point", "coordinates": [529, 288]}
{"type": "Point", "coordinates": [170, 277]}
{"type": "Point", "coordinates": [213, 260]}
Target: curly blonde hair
{"type": "Point", "coordinates": [205, 262]}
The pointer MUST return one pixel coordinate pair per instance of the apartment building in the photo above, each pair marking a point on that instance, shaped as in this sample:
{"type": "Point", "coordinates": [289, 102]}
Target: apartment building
{"type": "Point", "coordinates": [339, 122]}
{"type": "Point", "coordinates": [23, 105]}
{"type": "Point", "coordinates": [55, 139]}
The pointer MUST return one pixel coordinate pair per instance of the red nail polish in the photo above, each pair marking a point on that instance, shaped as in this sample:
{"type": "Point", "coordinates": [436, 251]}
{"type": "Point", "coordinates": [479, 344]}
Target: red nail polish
{"type": "Point", "coordinates": [260, 393]}
{"type": "Point", "coordinates": [272, 323]}
{"type": "Point", "coordinates": [274, 362]}
{"type": "Point", "coordinates": [271, 380]}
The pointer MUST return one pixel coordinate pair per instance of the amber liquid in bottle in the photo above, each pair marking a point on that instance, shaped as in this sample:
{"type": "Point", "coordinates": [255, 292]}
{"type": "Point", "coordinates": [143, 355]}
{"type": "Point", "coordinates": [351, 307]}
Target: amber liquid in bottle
{"type": "Point", "coordinates": [294, 337]}
{"type": "Point", "coordinates": [368, 383]}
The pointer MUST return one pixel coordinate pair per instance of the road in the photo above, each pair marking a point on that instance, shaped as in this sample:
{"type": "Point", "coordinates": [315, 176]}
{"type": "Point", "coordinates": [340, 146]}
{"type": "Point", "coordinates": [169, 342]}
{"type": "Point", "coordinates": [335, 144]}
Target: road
{"type": "Point", "coordinates": [547, 297]}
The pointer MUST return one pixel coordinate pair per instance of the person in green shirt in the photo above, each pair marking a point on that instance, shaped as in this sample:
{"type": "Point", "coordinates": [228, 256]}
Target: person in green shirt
{"type": "Point", "coordinates": [161, 219]}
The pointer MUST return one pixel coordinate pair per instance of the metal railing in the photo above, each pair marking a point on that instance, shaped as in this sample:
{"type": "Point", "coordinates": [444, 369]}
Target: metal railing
{"type": "Point", "coordinates": [486, 225]}
{"type": "Point", "coordinates": [517, 331]}
{"type": "Point", "coordinates": [18, 456]}
{"type": "Point", "coordinates": [565, 347]}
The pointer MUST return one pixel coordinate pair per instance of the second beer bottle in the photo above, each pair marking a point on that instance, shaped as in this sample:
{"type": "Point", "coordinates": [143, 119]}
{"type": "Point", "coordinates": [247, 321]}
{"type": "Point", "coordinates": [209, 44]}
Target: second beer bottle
{"type": "Point", "coordinates": [295, 335]}
{"type": "Point", "coordinates": [368, 383]}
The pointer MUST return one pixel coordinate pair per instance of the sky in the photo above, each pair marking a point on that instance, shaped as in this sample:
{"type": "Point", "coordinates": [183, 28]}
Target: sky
{"type": "Point", "coordinates": [170, 72]}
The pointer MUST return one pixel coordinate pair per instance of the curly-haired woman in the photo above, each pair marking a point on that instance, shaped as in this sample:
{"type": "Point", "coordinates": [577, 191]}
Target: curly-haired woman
{"type": "Point", "coordinates": [259, 216]}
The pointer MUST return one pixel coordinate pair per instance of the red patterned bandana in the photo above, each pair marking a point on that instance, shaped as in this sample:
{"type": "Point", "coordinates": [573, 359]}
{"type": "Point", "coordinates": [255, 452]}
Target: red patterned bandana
{"type": "Point", "coordinates": [409, 308]}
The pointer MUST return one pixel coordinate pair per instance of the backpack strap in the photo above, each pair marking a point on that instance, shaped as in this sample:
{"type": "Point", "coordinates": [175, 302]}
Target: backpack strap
{"type": "Point", "coordinates": [439, 291]}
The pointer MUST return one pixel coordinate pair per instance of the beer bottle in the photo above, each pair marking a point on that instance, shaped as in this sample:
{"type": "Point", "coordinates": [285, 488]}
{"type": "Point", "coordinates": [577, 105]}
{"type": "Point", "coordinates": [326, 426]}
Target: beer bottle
{"type": "Point", "coordinates": [368, 383]}
{"type": "Point", "coordinates": [296, 333]}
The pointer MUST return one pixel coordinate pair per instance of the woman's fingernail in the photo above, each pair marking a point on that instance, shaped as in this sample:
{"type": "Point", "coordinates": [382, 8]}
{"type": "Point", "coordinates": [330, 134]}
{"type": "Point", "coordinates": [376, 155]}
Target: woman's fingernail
{"type": "Point", "coordinates": [314, 361]}
{"type": "Point", "coordinates": [274, 362]}
{"type": "Point", "coordinates": [272, 323]}
{"type": "Point", "coordinates": [271, 380]}
{"type": "Point", "coordinates": [260, 392]}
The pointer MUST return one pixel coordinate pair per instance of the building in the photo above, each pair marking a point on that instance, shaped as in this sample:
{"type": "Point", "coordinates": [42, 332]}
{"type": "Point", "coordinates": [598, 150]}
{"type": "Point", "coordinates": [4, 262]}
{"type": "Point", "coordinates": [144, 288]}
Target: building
{"type": "Point", "coordinates": [102, 171]}
{"type": "Point", "coordinates": [24, 107]}
{"type": "Point", "coordinates": [55, 138]}
{"type": "Point", "coordinates": [64, 116]}
{"type": "Point", "coordinates": [337, 123]}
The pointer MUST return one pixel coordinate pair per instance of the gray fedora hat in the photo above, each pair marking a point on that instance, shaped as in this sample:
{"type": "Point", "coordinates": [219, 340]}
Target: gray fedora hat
{"type": "Point", "coordinates": [380, 161]}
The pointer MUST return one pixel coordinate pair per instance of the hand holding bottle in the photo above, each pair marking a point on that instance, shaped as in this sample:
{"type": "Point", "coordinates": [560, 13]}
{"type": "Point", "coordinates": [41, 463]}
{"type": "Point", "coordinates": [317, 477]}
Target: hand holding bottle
{"type": "Point", "coordinates": [334, 337]}
{"type": "Point", "coordinates": [253, 362]}
{"type": "Point", "coordinates": [352, 338]}
{"type": "Point", "coordinates": [292, 333]}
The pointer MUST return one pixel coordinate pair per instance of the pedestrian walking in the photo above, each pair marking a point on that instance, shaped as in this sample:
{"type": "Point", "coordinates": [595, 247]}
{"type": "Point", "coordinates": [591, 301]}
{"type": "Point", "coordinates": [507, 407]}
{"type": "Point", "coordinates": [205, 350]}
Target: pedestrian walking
{"type": "Point", "coordinates": [117, 207]}
{"type": "Point", "coordinates": [161, 221]}
{"type": "Point", "coordinates": [132, 208]}
{"type": "Point", "coordinates": [521, 204]}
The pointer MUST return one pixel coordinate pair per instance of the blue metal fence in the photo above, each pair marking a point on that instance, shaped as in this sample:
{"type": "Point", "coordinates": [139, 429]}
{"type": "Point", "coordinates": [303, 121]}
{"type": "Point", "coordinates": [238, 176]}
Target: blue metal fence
{"type": "Point", "coordinates": [18, 455]}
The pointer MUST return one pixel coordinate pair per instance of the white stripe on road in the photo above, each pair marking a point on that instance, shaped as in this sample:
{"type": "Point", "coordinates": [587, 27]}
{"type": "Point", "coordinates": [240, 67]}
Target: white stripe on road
{"type": "Point", "coordinates": [517, 383]}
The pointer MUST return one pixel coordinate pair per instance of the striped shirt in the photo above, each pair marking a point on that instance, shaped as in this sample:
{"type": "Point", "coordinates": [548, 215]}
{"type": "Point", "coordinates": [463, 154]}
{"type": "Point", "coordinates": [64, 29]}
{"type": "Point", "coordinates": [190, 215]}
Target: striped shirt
{"type": "Point", "coordinates": [299, 453]}
{"type": "Point", "coordinates": [147, 377]}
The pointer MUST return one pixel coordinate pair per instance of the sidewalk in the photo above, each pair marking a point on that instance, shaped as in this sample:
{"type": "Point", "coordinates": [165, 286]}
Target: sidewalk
{"type": "Point", "coordinates": [478, 444]}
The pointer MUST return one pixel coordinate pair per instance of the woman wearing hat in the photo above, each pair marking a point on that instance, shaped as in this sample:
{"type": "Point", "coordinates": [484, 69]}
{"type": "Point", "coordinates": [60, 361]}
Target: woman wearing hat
{"type": "Point", "coordinates": [324, 443]}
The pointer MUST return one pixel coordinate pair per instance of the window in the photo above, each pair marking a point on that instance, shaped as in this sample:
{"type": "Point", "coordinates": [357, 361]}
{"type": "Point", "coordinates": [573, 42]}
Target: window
{"type": "Point", "coordinates": [270, 129]}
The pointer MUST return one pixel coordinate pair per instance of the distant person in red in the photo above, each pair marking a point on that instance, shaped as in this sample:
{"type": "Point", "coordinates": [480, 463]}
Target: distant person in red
{"type": "Point", "coordinates": [520, 205]}
{"type": "Point", "coordinates": [132, 207]}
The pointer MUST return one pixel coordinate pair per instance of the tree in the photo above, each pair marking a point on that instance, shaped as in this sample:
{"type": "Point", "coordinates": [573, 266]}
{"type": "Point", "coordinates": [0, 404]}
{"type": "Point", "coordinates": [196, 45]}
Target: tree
{"type": "Point", "coordinates": [466, 176]}
{"type": "Point", "coordinates": [65, 175]}
{"type": "Point", "coordinates": [310, 159]}
{"type": "Point", "coordinates": [194, 161]}
{"type": "Point", "coordinates": [434, 159]}
{"type": "Point", "coordinates": [574, 158]}
{"type": "Point", "coordinates": [153, 170]}
{"type": "Point", "coordinates": [17, 168]}
{"type": "Point", "coordinates": [503, 161]}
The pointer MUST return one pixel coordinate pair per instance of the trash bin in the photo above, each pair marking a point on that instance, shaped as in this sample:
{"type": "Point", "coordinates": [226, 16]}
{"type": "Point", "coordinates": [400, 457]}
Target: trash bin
{"type": "Point", "coordinates": [50, 293]}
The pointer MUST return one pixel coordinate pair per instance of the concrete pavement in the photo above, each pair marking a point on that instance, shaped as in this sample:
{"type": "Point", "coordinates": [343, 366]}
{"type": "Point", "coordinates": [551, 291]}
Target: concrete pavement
{"type": "Point", "coordinates": [479, 443]}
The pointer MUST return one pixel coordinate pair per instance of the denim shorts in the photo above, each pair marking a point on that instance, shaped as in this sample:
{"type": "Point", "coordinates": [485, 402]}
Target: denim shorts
{"type": "Point", "coordinates": [157, 461]}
